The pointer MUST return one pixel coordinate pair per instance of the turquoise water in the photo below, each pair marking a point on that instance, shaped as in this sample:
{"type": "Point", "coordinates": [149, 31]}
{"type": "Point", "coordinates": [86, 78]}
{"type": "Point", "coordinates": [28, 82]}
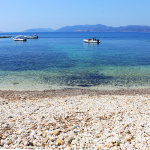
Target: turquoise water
{"type": "Point", "coordinates": [62, 60]}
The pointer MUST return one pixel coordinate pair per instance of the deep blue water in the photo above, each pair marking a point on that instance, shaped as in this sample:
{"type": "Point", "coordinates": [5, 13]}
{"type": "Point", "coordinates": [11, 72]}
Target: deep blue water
{"type": "Point", "coordinates": [62, 60]}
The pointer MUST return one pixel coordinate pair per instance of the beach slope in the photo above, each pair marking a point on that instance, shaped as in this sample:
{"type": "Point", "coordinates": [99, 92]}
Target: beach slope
{"type": "Point", "coordinates": [75, 119]}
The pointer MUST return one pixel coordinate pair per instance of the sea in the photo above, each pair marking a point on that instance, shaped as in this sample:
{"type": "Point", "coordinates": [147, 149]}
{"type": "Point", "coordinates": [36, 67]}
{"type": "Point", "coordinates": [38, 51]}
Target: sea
{"type": "Point", "coordinates": [63, 61]}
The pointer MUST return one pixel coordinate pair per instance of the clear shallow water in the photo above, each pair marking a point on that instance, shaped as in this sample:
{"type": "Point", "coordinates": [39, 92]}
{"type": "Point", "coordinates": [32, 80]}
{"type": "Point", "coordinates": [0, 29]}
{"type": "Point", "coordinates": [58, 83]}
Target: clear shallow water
{"type": "Point", "coordinates": [62, 60]}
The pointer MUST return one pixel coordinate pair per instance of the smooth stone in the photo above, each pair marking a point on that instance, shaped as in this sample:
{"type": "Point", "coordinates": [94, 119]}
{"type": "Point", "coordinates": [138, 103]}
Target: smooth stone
{"type": "Point", "coordinates": [21, 146]}
{"type": "Point", "coordinates": [44, 134]}
{"type": "Point", "coordinates": [56, 132]}
{"type": "Point", "coordinates": [10, 117]}
{"type": "Point", "coordinates": [128, 137]}
{"type": "Point", "coordinates": [60, 142]}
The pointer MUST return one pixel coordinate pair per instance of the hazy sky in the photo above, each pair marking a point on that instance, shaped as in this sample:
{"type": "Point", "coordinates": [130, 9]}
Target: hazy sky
{"type": "Point", "coordinates": [19, 15]}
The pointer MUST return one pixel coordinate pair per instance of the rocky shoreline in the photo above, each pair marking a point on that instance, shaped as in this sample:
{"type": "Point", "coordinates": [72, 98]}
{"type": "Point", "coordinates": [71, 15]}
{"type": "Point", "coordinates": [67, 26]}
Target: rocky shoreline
{"type": "Point", "coordinates": [10, 94]}
{"type": "Point", "coordinates": [75, 119]}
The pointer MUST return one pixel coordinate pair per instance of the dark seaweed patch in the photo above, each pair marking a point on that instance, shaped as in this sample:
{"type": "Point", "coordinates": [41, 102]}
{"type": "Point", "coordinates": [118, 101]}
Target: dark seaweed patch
{"type": "Point", "coordinates": [92, 79]}
{"type": "Point", "coordinates": [84, 85]}
{"type": "Point", "coordinates": [82, 80]}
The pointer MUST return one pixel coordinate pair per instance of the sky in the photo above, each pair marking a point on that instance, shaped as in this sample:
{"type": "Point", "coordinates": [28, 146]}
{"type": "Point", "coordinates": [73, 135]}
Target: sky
{"type": "Point", "coordinates": [19, 15]}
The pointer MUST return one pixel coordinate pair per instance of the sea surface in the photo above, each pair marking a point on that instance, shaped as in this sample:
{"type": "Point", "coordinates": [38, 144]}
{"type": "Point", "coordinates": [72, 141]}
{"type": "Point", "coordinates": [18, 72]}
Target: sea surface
{"type": "Point", "coordinates": [62, 60]}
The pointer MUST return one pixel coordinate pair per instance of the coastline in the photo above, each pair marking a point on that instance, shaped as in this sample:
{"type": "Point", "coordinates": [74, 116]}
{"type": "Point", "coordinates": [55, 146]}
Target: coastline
{"type": "Point", "coordinates": [75, 119]}
{"type": "Point", "coordinates": [6, 94]}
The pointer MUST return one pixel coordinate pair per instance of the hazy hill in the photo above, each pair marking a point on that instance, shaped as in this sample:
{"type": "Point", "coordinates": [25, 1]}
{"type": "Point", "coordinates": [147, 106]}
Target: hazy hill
{"type": "Point", "coordinates": [94, 28]}
{"type": "Point", "coordinates": [103, 28]}
{"type": "Point", "coordinates": [83, 28]}
{"type": "Point", "coordinates": [39, 30]}
{"type": "Point", "coordinates": [134, 28]}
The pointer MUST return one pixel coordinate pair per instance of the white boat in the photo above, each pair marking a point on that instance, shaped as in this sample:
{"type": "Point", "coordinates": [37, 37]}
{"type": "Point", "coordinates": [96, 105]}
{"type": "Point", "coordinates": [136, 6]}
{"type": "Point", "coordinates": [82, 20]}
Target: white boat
{"type": "Point", "coordinates": [20, 38]}
{"type": "Point", "coordinates": [91, 41]}
{"type": "Point", "coordinates": [34, 36]}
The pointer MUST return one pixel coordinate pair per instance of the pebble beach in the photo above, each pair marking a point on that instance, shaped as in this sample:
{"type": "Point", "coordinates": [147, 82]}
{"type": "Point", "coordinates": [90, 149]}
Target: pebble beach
{"type": "Point", "coordinates": [75, 119]}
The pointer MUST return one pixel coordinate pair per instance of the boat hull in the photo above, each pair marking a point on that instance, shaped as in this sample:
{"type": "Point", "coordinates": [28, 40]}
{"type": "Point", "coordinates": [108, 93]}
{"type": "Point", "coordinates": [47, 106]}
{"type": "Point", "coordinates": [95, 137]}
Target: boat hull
{"type": "Point", "coordinates": [30, 37]}
{"type": "Point", "coordinates": [20, 39]}
{"type": "Point", "coordinates": [91, 41]}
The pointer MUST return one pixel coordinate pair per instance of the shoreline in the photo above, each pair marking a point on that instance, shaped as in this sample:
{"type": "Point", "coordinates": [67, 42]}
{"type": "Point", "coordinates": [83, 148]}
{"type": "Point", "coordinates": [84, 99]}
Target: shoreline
{"type": "Point", "coordinates": [12, 94]}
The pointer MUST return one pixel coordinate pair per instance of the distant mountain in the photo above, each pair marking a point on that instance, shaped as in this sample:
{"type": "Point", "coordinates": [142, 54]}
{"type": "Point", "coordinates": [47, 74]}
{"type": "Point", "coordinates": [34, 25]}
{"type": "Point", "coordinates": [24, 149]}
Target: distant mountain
{"type": "Point", "coordinates": [103, 28]}
{"type": "Point", "coordinates": [40, 30]}
{"type": "Point", "coordinates": [94, 28]}
{"type": "Point", "coordinates": [133, 28]}
{"type": "Point", "coordinates": [83, 28]}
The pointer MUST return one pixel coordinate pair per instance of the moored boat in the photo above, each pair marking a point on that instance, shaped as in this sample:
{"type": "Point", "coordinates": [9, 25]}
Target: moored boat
{"type": "Point", "coordinates": [34, 36]}
{"type": "Point", "coordinates": [20, 38]}
{"type": "Point", "coordinates": [91, 41]}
